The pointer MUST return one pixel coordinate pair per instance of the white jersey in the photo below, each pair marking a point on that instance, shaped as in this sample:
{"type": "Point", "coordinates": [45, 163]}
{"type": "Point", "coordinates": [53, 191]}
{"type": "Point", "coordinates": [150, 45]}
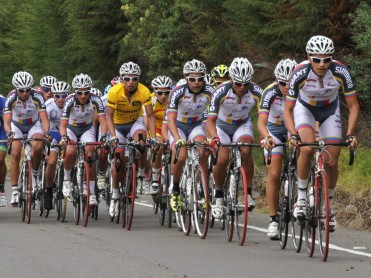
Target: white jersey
{"type": "Point", "coordinates": [54, 114]}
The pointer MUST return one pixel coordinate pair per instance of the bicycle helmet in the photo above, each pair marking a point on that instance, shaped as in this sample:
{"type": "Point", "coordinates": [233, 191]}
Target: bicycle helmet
{"type": "Point", "coordinates": [241, 70]}
{"type": "Point", "coordinates": [115, 80]}
{"type": "Point", "coordinates": [284, 69]}
{"type": "Point", "coordinates": [22, 80]}
{"type": "Point", "coordinates": [220, 71]}
{"type": "Point", "coordinates": [181, 82]}
{"type": "Point", "coordinates": [96, 92]}
{"type": "Point", "coordinates": [161, 82]}
{"type": "Point", "coordinates": [61, 87]}
{"type": "Point", "coordinates": [48, 81]}
{"type": "Point", "coordinates": [209, 80]}
{"type": "Point", "coordinates": [130, 68]}
{"type": "Point", "coordinates": [320, 45]}
{"type": "Point", "coordinates": [81, 81]}
{"type": "Point", "coordinates": [194, 66]}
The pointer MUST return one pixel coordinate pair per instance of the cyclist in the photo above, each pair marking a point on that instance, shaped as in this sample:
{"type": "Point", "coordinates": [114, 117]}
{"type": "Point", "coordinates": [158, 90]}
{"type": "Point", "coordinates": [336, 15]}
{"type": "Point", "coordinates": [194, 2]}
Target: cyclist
{"type": "Point", "coordinates": [3, 151]}
{"type": "Point", "coordinates": [209, 80]}
{"type": "Point", "coordinates": [54, 108]}
{"type": "Point", "coordinates": [220, 74]}
{"type": "Point", "coordinates": [184, 119]}
{"type": "Point", "coordinates": [46, 84]}
{"type": "Point", "coordinates": [24, 113]}
{"type": "Point", "coordinates": [161, 86]}
{"type": "Point", "coordinates": [229, 121]}
{"type": "Point", "coordinates": [314, 96]}
{"type": "Point", "coordinates": [125, 118]}
{"type": "Point", "coordinates": [77, 124]}
{"type": "Point", "coordinates": [272, 131]}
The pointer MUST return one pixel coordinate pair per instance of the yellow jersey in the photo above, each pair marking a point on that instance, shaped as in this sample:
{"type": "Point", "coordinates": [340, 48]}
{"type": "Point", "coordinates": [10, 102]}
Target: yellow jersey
{"type": "Point", "coordinates": [159, 111]}
{"type": "Point", "coordinates": [125, 111]}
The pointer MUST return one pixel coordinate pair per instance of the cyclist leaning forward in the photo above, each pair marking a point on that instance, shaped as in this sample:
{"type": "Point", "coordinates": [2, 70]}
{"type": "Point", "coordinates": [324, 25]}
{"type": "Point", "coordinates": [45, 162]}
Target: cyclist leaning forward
{"type": "Point", "coordinates": [125, 118]}
{"type": "Point", "coordinates": [77, 124]}
{"type": "Point", "coordinates": [229, 121]}
{"type": "Point", "coordinates": [314, 96]}
{"type": "Point", "coordinates": [273, 131]}
{"type": "Point", "coordinates": [185, 115]}
{"type": "Point", "coordinates": [24, 113]}
{"type": "Point", "coordinates": [3, 151]}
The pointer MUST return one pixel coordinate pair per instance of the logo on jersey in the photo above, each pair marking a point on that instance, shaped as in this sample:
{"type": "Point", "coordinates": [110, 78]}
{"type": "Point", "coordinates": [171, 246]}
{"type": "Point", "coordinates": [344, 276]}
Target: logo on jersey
{"type": "Point", "coordinates": [344, 72]}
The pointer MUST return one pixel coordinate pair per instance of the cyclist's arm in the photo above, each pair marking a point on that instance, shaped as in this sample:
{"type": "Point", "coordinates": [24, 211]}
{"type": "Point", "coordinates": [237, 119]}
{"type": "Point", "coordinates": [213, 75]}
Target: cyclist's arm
{"type": "Point", "coordinates": [110, 123]}
{"type": "Point", "coordinates": [171, 124]}
{"type": "Point", "coordinates": [354, 112]}
{"type": "Point", "coordinates": [288, 116]}
{"type": "Point", "coordinates": [63, 127]}
{"type": "Point", "coordinates": [211, 127]}
{"type": "Point", "coordinates": [262, 124]}
{"type": "Point", "coordinates": [44, 121]}
{"type": "Point", "coordinates": [151, 120]}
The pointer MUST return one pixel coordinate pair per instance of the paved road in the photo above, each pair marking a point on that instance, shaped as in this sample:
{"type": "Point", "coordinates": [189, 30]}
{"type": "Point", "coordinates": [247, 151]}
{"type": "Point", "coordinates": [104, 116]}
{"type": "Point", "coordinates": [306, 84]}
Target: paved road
{"type": "Point", "coordinates": [47, 248]}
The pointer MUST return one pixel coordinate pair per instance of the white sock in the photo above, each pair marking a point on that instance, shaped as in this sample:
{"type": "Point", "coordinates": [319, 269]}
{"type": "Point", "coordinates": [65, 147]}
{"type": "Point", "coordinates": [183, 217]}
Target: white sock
{"type": "Point", "coordinates": [67, 175]}
{"type": "Point", "coordinates": [302, 189]}
{"type": "Point", "coordinates": [155, 174]}
{"type": "Point", "coordinates": [140, 172]}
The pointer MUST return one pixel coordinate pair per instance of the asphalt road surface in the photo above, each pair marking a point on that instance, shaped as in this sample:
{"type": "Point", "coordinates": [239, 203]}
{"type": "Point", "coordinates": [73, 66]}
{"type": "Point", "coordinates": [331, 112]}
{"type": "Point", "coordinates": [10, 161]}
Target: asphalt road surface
{"type": "Point", "coordinates": [48, 248]}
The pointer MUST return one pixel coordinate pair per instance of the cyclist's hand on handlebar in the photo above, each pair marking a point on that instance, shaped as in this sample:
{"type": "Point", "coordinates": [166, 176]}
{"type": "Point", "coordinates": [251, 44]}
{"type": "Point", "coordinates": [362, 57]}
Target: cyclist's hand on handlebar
{"type": "Point", "coordinates": [267, 142]}
{"type": "Point", "coordinates": [294, 140]}
{"type": "Point", "coordinates": [214, 143]}
{"type": "Point", "coordinates": [104, 140]}
{"type": "Point", "coordinates": [352, 141]}
{"type": "Point", "coordinates": [180, 143]}
{"type": "Point", "coordinates": [10, 135]}
{"type": "Point", "coordinates": [154, 143]}
{"type": "Point", "coordinates": [114, 141]}
{"type": "Point", "coordinates": [64, 140]}
{"type": "Point", "coordinates": [47, 136]}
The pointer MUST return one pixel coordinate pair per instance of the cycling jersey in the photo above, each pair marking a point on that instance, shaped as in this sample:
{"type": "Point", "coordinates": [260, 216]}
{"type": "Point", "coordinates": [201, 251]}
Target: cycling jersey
{"type": "Point", "coordinates": [271, 103]}
{"type": "Point", "coordinates": [228, 107]}
{"type": "Point", "coordinates": [125, 111]}
{"type": "Point", "coordinates": [54, 114]}
{"type": "Point", "coordinates": [81, 116]}
{"type": "Point", "coordinates": [24, 113]}
{"type": "Point", "coordinates": [3, 146]}
{"type": "Point", "coordinates": [159, 111]}
{"type": "Point", "coordinates": [189, 107]}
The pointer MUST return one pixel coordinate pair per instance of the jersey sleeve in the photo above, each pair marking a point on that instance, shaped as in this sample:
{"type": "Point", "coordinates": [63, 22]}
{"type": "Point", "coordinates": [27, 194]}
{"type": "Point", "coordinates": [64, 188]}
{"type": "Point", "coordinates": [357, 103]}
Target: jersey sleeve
{"type": "Point", "coordinates": [343, 76]}
{"type": "Point", "coordinates": [9, 103]}
{"type": "Point", "coordinates": [267, 99]}
{"type": "Point", "coordinates": [98, 105]}
{"type": "Point", "coordinates": [147, 97]}
{"type": "Point", "coordinates": [67, 109]}
{"type": "Point", "coordinates": [297, 78]}
{"type": "Point", "coordinates": [216, 100]}
{"type": "Point", "coordinates": [112, 97]}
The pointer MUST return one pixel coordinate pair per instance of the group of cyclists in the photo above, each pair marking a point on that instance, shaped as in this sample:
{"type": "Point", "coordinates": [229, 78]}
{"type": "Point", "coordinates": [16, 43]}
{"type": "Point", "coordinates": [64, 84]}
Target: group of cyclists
{"type": "Point", "coordinates": [302, 103]}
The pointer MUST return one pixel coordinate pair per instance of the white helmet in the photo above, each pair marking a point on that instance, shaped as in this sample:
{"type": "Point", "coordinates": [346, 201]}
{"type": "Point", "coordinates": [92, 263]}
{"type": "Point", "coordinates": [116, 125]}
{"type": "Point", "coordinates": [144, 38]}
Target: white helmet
{"type": "Point", "coordinates": [61, 87]}
{"type": "Point", "coordinates": [181, 82]}
{"type": "Point", "coordinates": [22, 80]}
{"type": "Point", "coordinates": [81, 81]}
{"type": "Point", "coordinates": [284, 69]}
{"type": "Point", "coordinates": [96, 92]}
{"type": "Point", "coordinates": [161, 82]}
{"type": "Point", "coordinates": [241, 70]}
{"type": "Point", "coordinates": [130, 68]}
{"type": "Point", "coordinates": [209, 80]}
{"type": "Point", "coordinates": [194, 66]}
{"type": "Point", "coordinates": [48, 81]}
{"type": "Point", "coordinates": [320, 45]}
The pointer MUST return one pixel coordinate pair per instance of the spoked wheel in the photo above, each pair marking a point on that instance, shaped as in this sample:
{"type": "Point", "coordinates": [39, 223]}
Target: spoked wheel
{"type": "Point", "coordinates": [311, 220]}
{"type": "Point", "coordinates": [169, 212]}
{"type": "Point", "coordinates": [228, 212]}
{"type": "Point", "coordinates": [42, 191]}
{"type": "Point", "coordinates": [57, 192]}
{"type": "Point", "coordinates": [130, 197]}
{"type": "Point", "coordinates": [185, 213]}
{"type": "Point", "coordinates": [323, 219]}
{"type": "Point", "coordinates": [29, 193]}
{"type": "Point", "coordinates": [283, 214]}
{"type": "Point", "coordinates": [156, 200]}
{"type": "Point", "coordinates": [23, 180]}
{"type": "Point", "coordinates": [162, 210]}
{"type": "Point", "coordinates": [211, 182]}
{"type": "Point", "coordinates": [201, 207]}
{"type": "Point", "coordinates": [241, 211]}
{"type": "Point", "coordinates": [297, 225]}
{"type": "Point", "coordinates": [76, 204]}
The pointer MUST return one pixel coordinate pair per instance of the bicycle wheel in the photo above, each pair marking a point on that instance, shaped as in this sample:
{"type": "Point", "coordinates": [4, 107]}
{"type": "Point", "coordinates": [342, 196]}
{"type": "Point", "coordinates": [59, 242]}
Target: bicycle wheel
{"type": "Point", "coordinates": [241, 211]}
{"type": "Point", "coordinates": [168, 212]}
{"type": "Point", "coordinates": [77, 195]}
{"type": "Point", "coordinates": [41, 191]}
{"type": "Point", "coordinates": [283, 212]}
{"type": "Point", "coordinates": [211, 182]}
{"type": "Point", "coordinates": [201, 207]}
{"type": "Point", "coordinates": [185, 213]}
{"type": "Point", "coordinates": [296, 224]}
{"type": "Point", "coordinates": [228, 211]}
{"type": "Point", "coordinates": [323, 209]}
{"type": "Point", "coordinates": [311, 221]}
{"type": "Point", "coordinates": [84, 201]}
{"type": "Point", "coordinates": [29, 192]}
{"type": "Point", "coordinates": [131, 191]}
{"type": "Point", "coordinates": [23, 180]}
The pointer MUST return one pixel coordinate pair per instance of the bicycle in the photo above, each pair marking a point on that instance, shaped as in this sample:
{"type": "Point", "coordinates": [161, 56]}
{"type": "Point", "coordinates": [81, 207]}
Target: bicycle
{"type": "Point", "coordinates": [28, 193]}
{"type": "Point", "coordinates": [318, 208]}
{"type": "Point", "coordinates": [236, 194]}
{"type": "Point", "coordinates": [194, 192]}
{"type": "Point", "coordinates": [60, 202]}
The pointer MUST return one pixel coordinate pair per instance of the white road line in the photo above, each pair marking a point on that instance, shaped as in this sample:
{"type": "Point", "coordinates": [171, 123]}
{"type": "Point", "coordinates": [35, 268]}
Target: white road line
{"type": "Point", "coordinates": [331, 246]}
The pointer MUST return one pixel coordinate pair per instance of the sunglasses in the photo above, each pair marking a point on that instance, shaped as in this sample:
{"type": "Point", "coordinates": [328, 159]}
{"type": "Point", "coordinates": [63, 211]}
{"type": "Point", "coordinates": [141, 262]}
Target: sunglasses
{"type": "Point", "coordinates": [317, 60]}
{"type": "Point", "coordinates": [46, 89]}
{"type": "Point", "coordinates": [283, 83]}
{"type": "Point", "coordinates": [60, 95]}
{"type": "Point", "coordinates": [240, 84]}
{"type": "Point", "coordinates": [80, 93]}
{"type": "Point", "coordinates": [196, 79]}
{"type": "Point", "coordinates": [161, 93]}
{"type": "Point", "coordinates": [24, 90]}
{"type": "Point", "coordinates": [127, 78]}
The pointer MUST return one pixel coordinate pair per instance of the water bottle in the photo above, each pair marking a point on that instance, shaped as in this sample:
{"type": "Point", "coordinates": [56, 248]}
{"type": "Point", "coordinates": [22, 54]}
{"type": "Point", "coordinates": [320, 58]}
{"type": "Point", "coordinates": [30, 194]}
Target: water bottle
{"type": "Point", "coordinates": [286, 188]}
{"type": "Point", "coordinates": [311, 197]}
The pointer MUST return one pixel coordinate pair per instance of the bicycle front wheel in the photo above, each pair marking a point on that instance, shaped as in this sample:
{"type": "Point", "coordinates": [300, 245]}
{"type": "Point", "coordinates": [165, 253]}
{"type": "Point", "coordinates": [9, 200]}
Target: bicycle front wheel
{"type": "Point", "coordinates": [283, 212]}
{"type": "Point", "coordinates": [296, 224]}
{"type": "Point", "coordinates": [131, 189]}
{"type": "Point", "coordinates": [84, 200]}
{"type": "Point", "coordinates": [241, 211]}
{"type": "Point", "coordinates": [29, 192]}
{"type": "Point", "coordinates": [185, 213]}
{"type": "Point", "coordinates": [323, 209]}
{"type": "Point", "coordinates": [311, 220]}
{"type": "Point", "coordinates": [201, 208]}
{"type": "Point", "coordinates": [228, 211]}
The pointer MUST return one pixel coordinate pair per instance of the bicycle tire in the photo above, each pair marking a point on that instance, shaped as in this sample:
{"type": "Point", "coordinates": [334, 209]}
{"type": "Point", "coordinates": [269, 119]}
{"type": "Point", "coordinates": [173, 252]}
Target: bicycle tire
{"type": "Point", "coordinates": [296, 224]}
{"type": "Point", "coordinates": [76, 197]}
{"type": "Point", "coordinates": [29, 192]}
{"type": "Point", "coordinates": [85, 209]}
{"type": "Point", "coordinates": [242, 205]}
{"type": "Point", "coordinates": [130, 200]}
{"type": "Point", "coordinates": [228, 213]}
{"type": "Point", "coordinates": [185, 213]}
{"type": "Point", "coordinates": [23, 181]}
{"type": "Point", "coordinates": [283, 213]}
{"type": "Point", "coordinates": [311, 220]}
{"type": "Point", "coordinates": [166, 186]}
{"type": "Point", "coordinates": [201, 208]}
{"type": "Point", "coordinates": [42, 191]}
{"type": "Point", "coordinates": [324, 216]}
